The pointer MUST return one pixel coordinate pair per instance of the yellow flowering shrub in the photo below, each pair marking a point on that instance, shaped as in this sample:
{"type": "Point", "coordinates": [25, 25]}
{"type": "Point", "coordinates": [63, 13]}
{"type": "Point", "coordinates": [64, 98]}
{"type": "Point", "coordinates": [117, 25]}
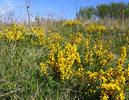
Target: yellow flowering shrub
{"type": "Point", "coordinates": [18, 32]}
{"type": "Point", "coordinates": [71, 22]}
{"type": "Point", "coordinates": [94, 28]}
{"type": "Point", "coordinates": [14, 32]}
{"type": "Point", "coordinates": [97, 74]}
{"type": "Point", "coordinates": [76, 38]}
{"type": "Point", "coordinates": [80, 60]}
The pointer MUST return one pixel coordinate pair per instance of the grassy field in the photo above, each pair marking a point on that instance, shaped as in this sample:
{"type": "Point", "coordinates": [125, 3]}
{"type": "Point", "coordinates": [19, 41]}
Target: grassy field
{"type": "Point", "coordinates": [65, 60]}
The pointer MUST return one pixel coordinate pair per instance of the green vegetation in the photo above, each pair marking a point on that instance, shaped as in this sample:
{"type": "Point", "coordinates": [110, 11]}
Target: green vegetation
{"type": "Point", "coordinates": [64, 60]}
{"type": "Point", "coordinates": [113, 10]}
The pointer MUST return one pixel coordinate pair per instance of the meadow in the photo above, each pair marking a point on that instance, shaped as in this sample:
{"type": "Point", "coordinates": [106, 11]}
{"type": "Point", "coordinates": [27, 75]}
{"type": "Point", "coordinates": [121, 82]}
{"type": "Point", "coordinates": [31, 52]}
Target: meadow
{"type": "Point", "coordinates": [65, 60]}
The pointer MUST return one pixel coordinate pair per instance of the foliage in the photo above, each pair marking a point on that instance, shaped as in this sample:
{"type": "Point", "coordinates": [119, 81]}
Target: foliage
{"type": "Point", "coordinates": [113, 10]}
{"type": "Point", "coordinates": [70, 61]}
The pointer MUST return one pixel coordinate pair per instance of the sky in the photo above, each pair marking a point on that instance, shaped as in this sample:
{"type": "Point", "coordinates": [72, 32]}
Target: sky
{"type": "Point", "coordinates": [63, 9]}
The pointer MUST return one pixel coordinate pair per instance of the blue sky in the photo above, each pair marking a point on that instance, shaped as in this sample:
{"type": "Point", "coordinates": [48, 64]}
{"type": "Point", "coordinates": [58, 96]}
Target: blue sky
{"type": "Point", "coordinates": [52, 8]}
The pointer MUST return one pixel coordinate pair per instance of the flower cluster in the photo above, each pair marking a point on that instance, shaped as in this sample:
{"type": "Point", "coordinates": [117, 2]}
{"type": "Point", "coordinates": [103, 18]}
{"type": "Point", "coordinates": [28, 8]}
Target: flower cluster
{"type": "Point", "coordinates": [43, 68]}
{"type": "Point", "coordinates": [14, 32]}
{"type": "Point", "coordinates": [76, 38]}
{"type": "Point", "coordinates": [93, 28]}
{"type": "Point", "coordinates": [81, 58]}
{"type": "Point", "coordinates": [97, 71]}
{"type": "Point", "coordinates": [71, 22]}
{"type": "Point", "coordinates": [17, 32]}
{"type": "Point", "coordinates": [63, 60]}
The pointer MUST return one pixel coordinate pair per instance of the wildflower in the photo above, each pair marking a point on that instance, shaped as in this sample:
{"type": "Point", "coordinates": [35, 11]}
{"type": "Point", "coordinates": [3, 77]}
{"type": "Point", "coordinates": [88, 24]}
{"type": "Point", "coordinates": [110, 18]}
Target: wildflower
{"type": "Point", "coordinates": [43, 68]}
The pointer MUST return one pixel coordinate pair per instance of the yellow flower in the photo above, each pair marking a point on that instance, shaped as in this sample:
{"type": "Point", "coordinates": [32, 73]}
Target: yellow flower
{"type": "Point", "coordinates": [43, 68]}
{"type": "Point", "coordinates": [71, 22]}
{"type": "Point", "coordinates": [105, 97]}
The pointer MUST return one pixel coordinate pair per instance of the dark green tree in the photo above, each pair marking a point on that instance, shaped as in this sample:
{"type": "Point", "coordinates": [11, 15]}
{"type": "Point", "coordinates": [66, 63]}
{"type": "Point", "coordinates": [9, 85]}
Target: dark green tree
{"type": "Point", "coordinates": [86, 12]}
{"type": "Point", "coordinates": [112, 10]}
{"type": "Point", "coordinates": [102, 10]}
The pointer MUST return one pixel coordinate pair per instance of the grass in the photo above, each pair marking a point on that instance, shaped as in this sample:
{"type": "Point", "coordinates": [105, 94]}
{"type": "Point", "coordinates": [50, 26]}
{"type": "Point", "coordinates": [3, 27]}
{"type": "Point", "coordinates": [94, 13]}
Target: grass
{"type": "Point", "coordinates": [20, 72]}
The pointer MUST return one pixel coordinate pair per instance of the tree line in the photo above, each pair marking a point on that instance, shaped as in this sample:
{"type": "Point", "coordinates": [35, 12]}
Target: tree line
{"type": "Point", "coordinates": [112, 10]}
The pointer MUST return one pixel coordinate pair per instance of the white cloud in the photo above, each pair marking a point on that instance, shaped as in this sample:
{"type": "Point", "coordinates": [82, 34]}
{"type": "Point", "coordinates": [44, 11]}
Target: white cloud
{"type": "Point", "coordinates": [6, 9]}
{"type": "Point", "coordinates": [6, 6]}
